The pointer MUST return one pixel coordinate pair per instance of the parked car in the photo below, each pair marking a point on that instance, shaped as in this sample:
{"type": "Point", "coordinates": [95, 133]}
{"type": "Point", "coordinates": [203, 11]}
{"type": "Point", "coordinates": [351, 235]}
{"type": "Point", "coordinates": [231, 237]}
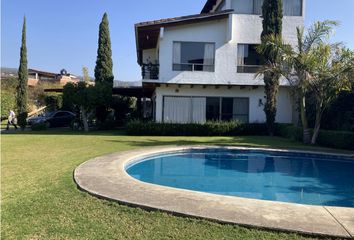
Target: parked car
{"type": "Point", "coordinates": [53, 119]}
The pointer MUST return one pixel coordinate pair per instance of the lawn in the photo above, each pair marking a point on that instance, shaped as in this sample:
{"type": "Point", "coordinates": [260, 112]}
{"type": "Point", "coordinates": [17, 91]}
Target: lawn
{"type": "Point", "coordinates": [41, 201]}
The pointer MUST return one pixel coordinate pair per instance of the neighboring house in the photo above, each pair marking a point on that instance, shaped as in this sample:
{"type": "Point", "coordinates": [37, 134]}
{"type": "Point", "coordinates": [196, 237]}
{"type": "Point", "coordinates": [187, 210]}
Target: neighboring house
{"type": "Point", "coordinates": [202, 67]}
{"type": "Point", "coordinates": [35, 77]}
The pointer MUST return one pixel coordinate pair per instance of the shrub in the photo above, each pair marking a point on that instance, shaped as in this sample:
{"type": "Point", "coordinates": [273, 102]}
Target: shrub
{"type": "Point", "coordinates": [336, 139]}
{"type": "Point", "coordinates": [333, 139]}
{"type": "Point", "coordinates": [39, 127]}
{"type": "Point", "coordinates": [8, 102]}
{"type": "Point", "coordinates": [53, 101]}
{"type": "Point", "coordinates": [289, 131]}
{"type": "Point", "coordinates": [232, 128]}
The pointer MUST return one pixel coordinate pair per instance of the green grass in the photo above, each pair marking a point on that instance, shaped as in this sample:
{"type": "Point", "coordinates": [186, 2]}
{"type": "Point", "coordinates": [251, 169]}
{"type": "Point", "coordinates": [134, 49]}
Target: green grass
{"type": "Point", "coordinates": [41, 201]}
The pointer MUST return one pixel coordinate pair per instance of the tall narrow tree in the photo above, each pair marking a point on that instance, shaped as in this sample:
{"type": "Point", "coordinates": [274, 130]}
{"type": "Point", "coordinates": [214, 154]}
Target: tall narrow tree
{"type": "Point", "coordinates": [21, 94]}
{"type": "Point", "coordinates": [272, 14]}
{"type": "Point", "coordinates": [104, 67]}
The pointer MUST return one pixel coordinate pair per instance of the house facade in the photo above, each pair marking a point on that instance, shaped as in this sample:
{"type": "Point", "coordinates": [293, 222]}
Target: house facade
{"type": "Point", "coordinates": [202, 67]}
{"type": "Point", "coordinates": [36, 77]}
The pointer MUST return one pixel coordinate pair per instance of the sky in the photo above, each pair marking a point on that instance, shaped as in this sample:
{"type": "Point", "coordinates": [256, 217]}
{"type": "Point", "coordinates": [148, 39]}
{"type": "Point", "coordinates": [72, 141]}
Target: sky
{"type": "Point", "coordinates": [64, 33]}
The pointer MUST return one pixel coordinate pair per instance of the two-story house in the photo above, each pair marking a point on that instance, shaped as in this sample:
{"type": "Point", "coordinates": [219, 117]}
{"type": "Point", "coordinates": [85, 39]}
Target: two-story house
{"type": "Point", "coordinates": [202, 67]}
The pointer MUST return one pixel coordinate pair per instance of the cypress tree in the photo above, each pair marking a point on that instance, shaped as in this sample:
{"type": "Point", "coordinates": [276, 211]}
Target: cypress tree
{"type": "Point", "coordinates": [272, 14]}
{"type": "Point", "coordinates": [21, 93]}
{"type": "Point", "coordinates": [104, 68]}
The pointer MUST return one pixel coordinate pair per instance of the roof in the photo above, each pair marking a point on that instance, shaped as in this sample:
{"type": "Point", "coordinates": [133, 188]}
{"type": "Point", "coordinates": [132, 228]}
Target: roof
{"type": "Point", "coordinates": [49, 74]}
{"type": "Point", "coordinates": [147, 33]}
{"type": "Point", "coordinates": [209, 6]}
{"type": "Point", "coordinates": [188, 18]}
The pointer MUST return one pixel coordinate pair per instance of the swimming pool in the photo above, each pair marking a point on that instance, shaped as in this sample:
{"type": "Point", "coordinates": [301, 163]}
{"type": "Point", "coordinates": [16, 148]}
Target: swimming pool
{"type": "Point", "coordinates": [314, 179]}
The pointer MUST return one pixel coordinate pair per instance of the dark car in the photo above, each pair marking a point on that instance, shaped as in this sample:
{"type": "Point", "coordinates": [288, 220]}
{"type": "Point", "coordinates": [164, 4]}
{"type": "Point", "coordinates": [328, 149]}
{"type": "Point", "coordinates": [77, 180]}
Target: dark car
{"type": "Point", "coordinates": [53, 119]}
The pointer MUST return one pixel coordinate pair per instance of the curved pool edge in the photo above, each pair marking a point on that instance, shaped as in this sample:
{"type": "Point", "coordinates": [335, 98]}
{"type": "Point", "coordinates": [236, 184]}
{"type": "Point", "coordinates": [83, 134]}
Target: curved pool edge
{"type": "Point", "coordinates": [105, 177]}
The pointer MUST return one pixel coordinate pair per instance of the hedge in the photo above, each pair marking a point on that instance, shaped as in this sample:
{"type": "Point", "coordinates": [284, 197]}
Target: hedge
{"type": "Point", "coordinates": [333, 139]}
{"type": "Point", "coordinates": [232, 128]}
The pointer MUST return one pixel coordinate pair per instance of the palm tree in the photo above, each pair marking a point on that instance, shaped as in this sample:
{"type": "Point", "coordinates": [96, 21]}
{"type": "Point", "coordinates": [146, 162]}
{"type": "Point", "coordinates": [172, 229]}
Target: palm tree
{"type": "Point", "coordinates": [297, 65]}
{"type": "Point", "coordinates": [333, 69]}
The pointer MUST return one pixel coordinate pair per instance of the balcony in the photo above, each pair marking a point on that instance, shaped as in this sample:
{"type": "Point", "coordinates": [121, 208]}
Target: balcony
{"type": "Point", "coordinates": [150, 71]}
{"type": "Point", "coordinates": [248, 68]}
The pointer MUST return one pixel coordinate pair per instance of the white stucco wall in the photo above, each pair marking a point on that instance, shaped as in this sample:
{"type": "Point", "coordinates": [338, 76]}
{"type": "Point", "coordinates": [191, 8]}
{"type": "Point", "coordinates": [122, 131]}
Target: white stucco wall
{"type": "Point", "coordinates": [256, 113]}
{"type": "Point", "coordinates": [226, 34]}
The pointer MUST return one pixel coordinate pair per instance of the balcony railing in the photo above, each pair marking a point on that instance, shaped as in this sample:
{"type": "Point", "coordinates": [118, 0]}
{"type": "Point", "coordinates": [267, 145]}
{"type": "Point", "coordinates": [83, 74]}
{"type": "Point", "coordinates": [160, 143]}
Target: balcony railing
{"type": "Point", "coordinates": [150, 71]}
{"type": "Point", "coordinates": [193, 67]}
{"type": "Point", "coordinates": [248, 68]}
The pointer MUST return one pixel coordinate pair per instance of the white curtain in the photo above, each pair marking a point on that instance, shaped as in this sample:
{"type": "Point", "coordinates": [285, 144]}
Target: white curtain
{"type": "Point", "coordinates": [257, 7]}
{"type": "Point", "coordinates": [292, 7]}
{"type": "Point", "coordinates": [177, 109]}
{"type": "Point", "coordinates": [242, 53]}
{"type": "Point", "coordinates": [198, 110]}
{"type": "Point", "coordinates": [242, 6]}
{"type": "Point", "coordinates": [209, 52]}
{"type": "Point", "coordinates": [176, 53]}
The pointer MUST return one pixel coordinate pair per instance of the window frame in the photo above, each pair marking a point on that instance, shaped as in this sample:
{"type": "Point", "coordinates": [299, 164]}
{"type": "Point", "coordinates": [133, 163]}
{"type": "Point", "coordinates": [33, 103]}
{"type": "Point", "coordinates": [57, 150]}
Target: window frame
{"type": "Point", "coordinates": [246, 66]}
{"type": "Point", "coordinates": [193, 64]}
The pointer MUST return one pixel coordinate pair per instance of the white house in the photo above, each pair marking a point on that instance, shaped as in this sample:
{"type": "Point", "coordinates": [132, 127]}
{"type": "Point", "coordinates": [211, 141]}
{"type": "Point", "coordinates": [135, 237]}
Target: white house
{"type": "Point", "coordinates": [202, 67]}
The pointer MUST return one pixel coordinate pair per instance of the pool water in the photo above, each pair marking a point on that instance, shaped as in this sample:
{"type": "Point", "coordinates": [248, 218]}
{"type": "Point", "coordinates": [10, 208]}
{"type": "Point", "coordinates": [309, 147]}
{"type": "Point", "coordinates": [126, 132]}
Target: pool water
{"type": "Point", "coordinates": [287, 177]}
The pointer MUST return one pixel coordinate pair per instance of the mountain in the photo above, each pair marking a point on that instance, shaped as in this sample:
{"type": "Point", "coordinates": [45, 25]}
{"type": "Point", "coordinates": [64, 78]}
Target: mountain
{"type": "Point", "coordinates": [8, 72]}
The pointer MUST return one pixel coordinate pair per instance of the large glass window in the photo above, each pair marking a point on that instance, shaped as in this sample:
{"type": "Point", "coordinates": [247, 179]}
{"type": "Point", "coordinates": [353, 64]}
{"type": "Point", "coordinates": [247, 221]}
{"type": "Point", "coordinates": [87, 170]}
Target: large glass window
{"type": "Point", "coordinates": [231, 109]}
{"type": "Point", "coordinates": [290, 7]}
{"type": "Point", "coordinates": [193, 56]}
{"type": "Point", "coordinates": [213, 109]}
{"type": "Point", "coordinates": [247, 6]}
{"type": "Point", "coordinates": [248, 59]}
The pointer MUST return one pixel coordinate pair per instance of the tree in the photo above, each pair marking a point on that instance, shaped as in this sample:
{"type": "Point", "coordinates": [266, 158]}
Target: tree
{"type": "Point", "coordinates": [272, 13]}
{"type": "Point", "coordinates": [83, 97]}
{"type": "Point", "coordinates": [333, 68]}
{"type": "Point", "coordinates": [298, 64]}
{"type": "Point", "coordinates": [104, 67]}
{"type": "Point", "coordinates": [21, 90]}
{"type": "Point", "coordinates": [85, 75]}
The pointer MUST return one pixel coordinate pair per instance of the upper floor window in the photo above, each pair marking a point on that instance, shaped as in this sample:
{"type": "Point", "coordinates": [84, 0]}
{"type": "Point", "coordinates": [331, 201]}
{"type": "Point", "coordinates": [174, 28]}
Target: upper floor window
{"type": "Point", "coordinates": [290, 7]}
{"type": "Point", "coordinates": [248, 59]}
{"type": "Point", "coordinates": [193, 56]}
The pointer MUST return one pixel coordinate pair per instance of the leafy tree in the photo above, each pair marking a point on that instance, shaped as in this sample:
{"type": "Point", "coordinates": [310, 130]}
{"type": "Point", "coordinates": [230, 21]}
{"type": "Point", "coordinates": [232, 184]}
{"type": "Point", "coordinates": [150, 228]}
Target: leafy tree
{"type": "Point", "coordinates": [84, 97]}
{"type": "Point", "coordinates": [298, 64]}
{"type": "Point", "coordinates": [104, 68]}
{"type": "Point", "coordinates": [333, 68]}
{"type": "Point", "coordinates": [272, 13]}
{"type": "Point", "coordinates": [21, 96]}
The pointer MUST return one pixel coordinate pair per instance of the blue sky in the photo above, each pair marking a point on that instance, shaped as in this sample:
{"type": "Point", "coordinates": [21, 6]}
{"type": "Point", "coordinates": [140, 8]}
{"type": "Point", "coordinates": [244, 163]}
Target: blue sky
{"type": "Point", "coordinates": [63, 33]}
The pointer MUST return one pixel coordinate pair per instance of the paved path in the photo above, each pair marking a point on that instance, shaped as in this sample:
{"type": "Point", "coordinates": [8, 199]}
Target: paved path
{"type": "Point", "coordinates": [106, 177]}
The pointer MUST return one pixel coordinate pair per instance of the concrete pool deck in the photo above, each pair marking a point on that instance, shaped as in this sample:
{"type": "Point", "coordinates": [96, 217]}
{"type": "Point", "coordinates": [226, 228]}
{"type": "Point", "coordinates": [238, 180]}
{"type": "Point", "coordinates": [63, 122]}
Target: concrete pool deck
{"type": "Point", "coordinates": [105, 177]}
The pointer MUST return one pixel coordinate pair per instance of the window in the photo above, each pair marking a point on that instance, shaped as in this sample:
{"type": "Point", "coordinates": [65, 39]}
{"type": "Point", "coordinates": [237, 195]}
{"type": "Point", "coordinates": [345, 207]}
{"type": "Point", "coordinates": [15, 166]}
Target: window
{"type": "Point", "coordinates": [248, 59]}
{"type": "Point", "coordinates": [292, 7]}
{"type": "Point", "coordinates": [247, 6]}
{"type": "Point", "coordinates": [184, 109]}
{"type": "Point", "coordinates": [231, 109]}
{"type": "Point", "coordinates": [193, 56]}
{"type": "Point", "coordinates": [212, 109]}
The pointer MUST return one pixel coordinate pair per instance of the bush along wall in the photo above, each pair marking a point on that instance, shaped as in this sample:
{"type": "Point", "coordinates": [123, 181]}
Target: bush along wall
{"type": "Point", "coordinates": [232, 128]}
{"type": "Point", "coordinates": [333, 139]}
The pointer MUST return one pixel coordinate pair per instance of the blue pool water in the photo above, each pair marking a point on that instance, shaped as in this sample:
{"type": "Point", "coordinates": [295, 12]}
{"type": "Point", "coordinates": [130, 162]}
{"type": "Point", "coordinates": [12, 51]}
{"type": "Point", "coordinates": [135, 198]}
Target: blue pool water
{"type": "Point", "coordinates": [288, 177]}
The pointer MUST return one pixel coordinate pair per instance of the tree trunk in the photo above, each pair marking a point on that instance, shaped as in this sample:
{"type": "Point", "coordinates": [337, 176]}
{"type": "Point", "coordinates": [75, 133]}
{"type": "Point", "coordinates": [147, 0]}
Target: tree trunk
{"type": "Point", "coordinates": [84, 119]}
{"type": "Point", "coordinates": [317, 127]}
{"type": "Point", "coordinates": [306, 131]}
